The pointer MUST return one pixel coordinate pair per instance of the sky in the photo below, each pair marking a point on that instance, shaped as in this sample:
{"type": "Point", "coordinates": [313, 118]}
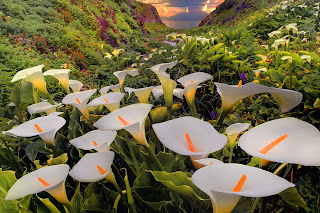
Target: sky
{"type": "Point", "coordinates": [184, 10]}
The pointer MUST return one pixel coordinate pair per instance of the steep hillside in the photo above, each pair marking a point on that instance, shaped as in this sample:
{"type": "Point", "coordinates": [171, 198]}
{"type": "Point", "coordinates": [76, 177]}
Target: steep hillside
{"type": "Point", "coordinates": [231, 11]}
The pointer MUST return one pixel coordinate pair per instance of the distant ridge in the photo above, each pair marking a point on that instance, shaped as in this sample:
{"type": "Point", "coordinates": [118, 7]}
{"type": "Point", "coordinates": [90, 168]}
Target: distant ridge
{"type": "Point", "coordinates": [231, 11]}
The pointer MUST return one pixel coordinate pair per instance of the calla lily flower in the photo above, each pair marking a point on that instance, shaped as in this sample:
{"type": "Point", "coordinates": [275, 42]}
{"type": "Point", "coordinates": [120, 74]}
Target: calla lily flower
{"type": "Point", "coordinates": [277, 42]}
{"type": "Point", "coordinates": [226, 183]}
{"type": "Point", "coordinates": [168, 84]}
{"type": "Point", "coordinates": [50, 179]}
{"type": "Point", "coordinates": [110, 100]}
{"type": "Point", "coordinates": [108, 56]}
{"type": "Point", "coordinates": [33, 75]}
{"type": "Point", "coordinates": [96, 139]}
{"type": "Point", "coordinates": [257, 71]}
{"type": "Point", "coordinates": [117, 52]}
{"type": "Point", "coordinates": [209, 161]}
{"type": "Point", "coordinates": [306, 57]}
{"type": "Point", "coordinates": [173, 35]}
{"type": "Point", "coordinates": [288, 58]}
{"type": "Point", "coordinates": [93, 167]}
{"type": "Point", "coordinates": [233, 132]}
{"type": "Point", "coordinates": [190, 83]}
{"type": "Point", "coordinates": [114, 88]}
{"type": "Point", "coordinates": [263, 57]}
{"type": "Point", "coordinates": [122, 74]}
{"type": "Point", "coordinates": [75, 85]}
{"type": "Point", "coordinates": [231, 94]}
{"type": "Point", "coordinates": [158, 91]}
{"type": "Point", "coordinates": [62, 75]}
{"type": "Point", "coordinates": [273, 33]}
{"type": "Point", "coordinates": [79, 100]}
{"type": "Point", "coordinates": [42, 107]}
{"type": "Point", "coordinates": [142, 93]}
{"type": "Point", "coordinates": [130, 118]}
{"type": "Point", "coordinates": [46, 127]}
{"type": "Point", "coordinates": [284, 140]}
{"type": "Point", "coordinates": [190, 136]}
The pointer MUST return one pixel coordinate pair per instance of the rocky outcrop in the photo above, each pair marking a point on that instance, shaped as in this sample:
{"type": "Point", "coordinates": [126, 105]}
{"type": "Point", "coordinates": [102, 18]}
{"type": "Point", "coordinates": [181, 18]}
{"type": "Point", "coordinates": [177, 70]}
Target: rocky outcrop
{"type": "Point", "coordinates": [145, 13]}
{"type": "Point", "coordinates": [230, 10]}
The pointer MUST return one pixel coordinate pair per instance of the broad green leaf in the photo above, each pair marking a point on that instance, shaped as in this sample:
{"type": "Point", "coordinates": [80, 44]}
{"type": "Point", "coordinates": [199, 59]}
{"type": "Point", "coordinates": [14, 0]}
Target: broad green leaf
{"type": "Point", "coordinates": [7, 159]}
{"type": "Point", "coordinates": [7, 179]}
{"type": "Point", "coordinates": [76, 201]}
{"type": "Point", "coordinates": [215, 48]}
{"type": "Point", "coordinates": [215, 57]}
{"type": "Point", "coordinates": [75, 117]}
{"type": "Point", "coordinates": [180, 183]}
{"type": "Point", "coordinates": [293, 197]}
{"type": "Point", "coordinates": [62, 159]}
{"type": "Point", "coordinates": [49, 205]}
{"type": "Point", "coordinates": [34, 148]}
{"type": "Point", "coordinates": [170, 162]}
{"type": "Point", "coordinates": [155, 198]}
{"type": "Point", "coordinates": [61, 142]}
{"type": "Point", "coordinates": [314, 115]}
{"type": "Point", "coordinates": [93, 203]}
{"type": "Point", "coordinates": [314, 55]}
{"type": "Point", "coordinates": [144, 177]}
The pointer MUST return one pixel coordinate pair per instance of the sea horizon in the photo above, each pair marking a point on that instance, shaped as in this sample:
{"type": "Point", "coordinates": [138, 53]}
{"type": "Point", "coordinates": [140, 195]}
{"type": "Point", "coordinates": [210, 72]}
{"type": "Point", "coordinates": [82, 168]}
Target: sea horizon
{"type": "Point", "coordinates": [185, 25]}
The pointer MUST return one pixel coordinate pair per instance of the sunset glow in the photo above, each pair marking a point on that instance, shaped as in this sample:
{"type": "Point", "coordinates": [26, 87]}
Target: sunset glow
{"type": "Point", "coordinates": [180, 9]}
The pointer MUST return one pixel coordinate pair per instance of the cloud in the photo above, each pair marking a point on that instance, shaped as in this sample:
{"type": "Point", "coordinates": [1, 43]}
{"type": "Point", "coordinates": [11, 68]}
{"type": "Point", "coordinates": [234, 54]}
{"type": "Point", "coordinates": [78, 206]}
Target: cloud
{"type": "Point", "coordinates": [176, 9]}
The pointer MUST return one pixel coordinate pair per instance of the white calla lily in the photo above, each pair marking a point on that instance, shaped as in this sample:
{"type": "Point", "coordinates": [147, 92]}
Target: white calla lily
{"type": "Point", "coordinates": [46, 127]}
{"type": "Point", "coordinates": [79, 100]}
{"type": "Point", "coordinates": [93, 167]}
{"type": "Point", "coordinates": [141, 93]}
{"type": "Point", "coordinates": [122, 74]}
{"type": "Point", "coordinates": [50, 179]}
{"type": "Point", "coordinates": [257, 71]}
{"type": "Point", "coordinates": [158, 91]}
{"type": "Point", "coordinates": [130, 118]}
{"type": "Point", "coordinates": [190, 83]}
{"type": "Point", "coordinates": [209, 161]}
{"type": "Point", "coordinates": [114, 88]}
{"type": "Point", "coordinates": [167, 84]}
{"type": "Point", "coordinates": [231, 94]}
{"type": "Point", "coordinates": [75, 85]}
{"type": "Point", "coordinates": [42, 107]}
{"type": "Point", "coordinates": [33, 75]}
{"type": "Point", "coordinates": [226, 183]}
{"type": "Point", "coordinates": [284, 140]}
{"type": "Point", "coordinates": [233, 132]}
{"type": "Point", "coordinates": [110, 100]}
{"type": "Point", "coordinates": [62, 75]}
{"type": "Point", "coordinates": [190, 136]}
{"type": "Point", "coordinates": [96, 139]}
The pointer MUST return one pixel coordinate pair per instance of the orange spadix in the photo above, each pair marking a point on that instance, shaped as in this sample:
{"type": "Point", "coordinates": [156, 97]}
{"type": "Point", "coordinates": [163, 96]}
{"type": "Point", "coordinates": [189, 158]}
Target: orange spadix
{"type": "Point", "coordinates": [239, 185]}
{"type": "Point", "coordinates": [124, 122]}
{"type": "Point", "coordinates": [38, 128]}
{"type": "Point", "coordinates": [45, 183]}
{"type": "Point", "coordinates": [190, 144]}
{"type": "Point", "coordinates": [101, 170]}
{"type": "Point", "coordinates": [273, 144]}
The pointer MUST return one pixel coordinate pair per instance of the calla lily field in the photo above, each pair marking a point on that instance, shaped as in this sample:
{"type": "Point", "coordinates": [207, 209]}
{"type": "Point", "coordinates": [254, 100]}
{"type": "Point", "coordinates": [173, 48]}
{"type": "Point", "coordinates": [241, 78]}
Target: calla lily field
{"type": "Point", "coordinates": [214, 119]}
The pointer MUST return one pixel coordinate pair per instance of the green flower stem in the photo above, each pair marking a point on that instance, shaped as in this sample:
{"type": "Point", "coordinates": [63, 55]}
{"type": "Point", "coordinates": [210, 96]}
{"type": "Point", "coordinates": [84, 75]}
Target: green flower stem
{"type": "Point", "coordinates": [222, 117]}
{"type": "Point", "coordinates": [169, 113]}
{"type": "Point", "coordinates": [115, 184]}
{"type": "Point", "coordinates": [255, 204]}
{"type": "Point", "coordinates": [154, 157]}
{"type": "Point", "coordinates": [231, 153]}
{"type": "Point", "coordinates": [280, 168]}
{"type": "Point", "coordinates": [134, 158]}
{"type": "Point", "coordinates": [129, 193]}
{"type": "Point", "coordinates": [193, 109]}
{"type": "Point", "coordinates": [290, 77]}
{"type": "Point", "coordinates": [69, 207]}
{"type": "Point", "coordinates": [13, 155]}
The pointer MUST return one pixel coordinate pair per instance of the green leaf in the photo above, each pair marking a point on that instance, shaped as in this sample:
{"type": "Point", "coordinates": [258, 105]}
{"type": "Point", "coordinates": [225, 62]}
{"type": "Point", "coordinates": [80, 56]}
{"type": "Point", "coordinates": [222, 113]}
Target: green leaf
{"type": "Point", "coordinates": [92, 203]}
{"type": "Point", "coordinates": [49, 205]}
{"type": "Point", "coordinates": [317, 103]}
{"type": "Point", "coordinates": [293, 197]}
{"type": "Point", "coordinates": [170, 162]}
{"type": "Point", "coordinates": [8, 160]}
{"type": "Point", "coordinates": [77, 200]}
{"type": "Point", "coordinates": [254, 161]}
{"type": "Point", "coordinates": [215, 57]}
{"type": "Point", "coordinates": [34, 148]}
{"type": "Point", "coordinates": [180, 183]}
{"type": "Point", "coordinates": [278, 76]}
{"type": "Point", "coordinates": [315, 116]}
{"type": "Point", "coordinates": [7, 179]}
{"type": "Point", "coordinates": [155, 198]}
{"type": "Point", "coordinates": [62, 159]}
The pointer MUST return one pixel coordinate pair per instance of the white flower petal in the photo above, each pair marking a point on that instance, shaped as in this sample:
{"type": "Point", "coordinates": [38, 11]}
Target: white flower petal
{"type": "Point", "coordinates": [237, 128]}
{"type": "Point", "coordinates": [141, 93]}
{"type": "Point", "coordinates": [157, 91]}
{"type": "Point", "coordinates": [26, 72]}
{"type": "Point", "coordinates": [82, 97]}
{"type": "Point", "coordinates": [29, 184]}
{"type": "Point", "coordinates": [204, 137]}
{"type": "Point", "coordinates": [41, 107]}
{"type": "Point", "coordinates": [75, 85]}
{"type": "Point", "coordinates": [209, 161]}
{"type": "Point", "coordinates": [48, 125]}
{"type": "Point", "coordinates": [86, 169]}
{"type": "Point", "coordinates": [302, 145]}
{"type": "Point", "coordinates": [94, 139]}
{"type": "Point", "coordinates": [194, 78]}
{"type": "Point", "coordinates": [114, 88]}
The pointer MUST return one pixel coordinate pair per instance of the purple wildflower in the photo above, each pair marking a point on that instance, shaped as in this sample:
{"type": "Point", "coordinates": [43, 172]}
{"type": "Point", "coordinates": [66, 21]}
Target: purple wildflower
{"type": "Point", "coordinates": [213, 115]}
{"type": "Point", "coordinates": [243, 77]}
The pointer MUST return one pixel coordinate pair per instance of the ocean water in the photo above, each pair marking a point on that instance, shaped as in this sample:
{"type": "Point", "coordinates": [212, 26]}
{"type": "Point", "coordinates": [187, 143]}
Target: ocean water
{"type": "Point", "coordinates": [186, 25]}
